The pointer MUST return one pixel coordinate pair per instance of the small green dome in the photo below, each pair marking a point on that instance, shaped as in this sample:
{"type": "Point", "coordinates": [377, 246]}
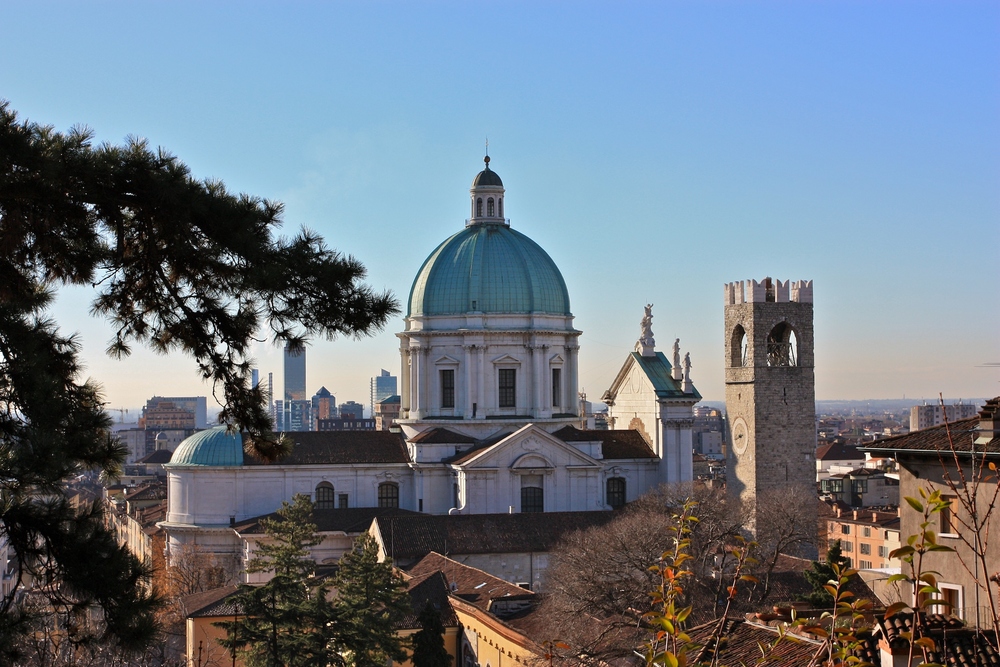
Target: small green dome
{"type": "Point", "coordinates": [488, 268]}
{"type": "Point", "coordinates": [213, 447]}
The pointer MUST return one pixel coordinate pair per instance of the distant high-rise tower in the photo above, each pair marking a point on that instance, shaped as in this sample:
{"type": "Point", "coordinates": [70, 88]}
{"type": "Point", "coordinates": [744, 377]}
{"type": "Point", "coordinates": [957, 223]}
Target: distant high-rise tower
{"type": "Point", "coordinates": [295, 373]}
{"type": "Point", "coordinates": [296, 407]}
{"type": "Point", "coordinates": [382, 387]}
{"type": "Point", "coordinates": [770, 387]}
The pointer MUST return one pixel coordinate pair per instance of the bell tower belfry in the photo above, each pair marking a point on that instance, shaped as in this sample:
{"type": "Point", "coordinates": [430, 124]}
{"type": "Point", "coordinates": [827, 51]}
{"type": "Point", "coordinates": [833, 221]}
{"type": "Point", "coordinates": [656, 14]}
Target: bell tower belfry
{"type": "Point", "coordinates": [770, 388]}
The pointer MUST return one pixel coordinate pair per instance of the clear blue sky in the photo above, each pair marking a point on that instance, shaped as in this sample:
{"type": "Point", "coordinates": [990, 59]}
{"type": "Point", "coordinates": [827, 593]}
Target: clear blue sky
{"type": "Point", "coordinates": [655, 150]}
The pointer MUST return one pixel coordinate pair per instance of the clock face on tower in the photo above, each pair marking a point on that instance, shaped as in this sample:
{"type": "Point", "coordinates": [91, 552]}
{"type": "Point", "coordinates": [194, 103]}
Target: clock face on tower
{"type": "Point", "coordinates": [741, 435]}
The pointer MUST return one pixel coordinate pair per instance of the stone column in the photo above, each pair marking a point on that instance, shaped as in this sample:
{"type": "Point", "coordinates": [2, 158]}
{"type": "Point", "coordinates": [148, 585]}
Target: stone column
{"type": "Point", "coordinates": [572, 351]}
{"type": "Point", "coordinates": [416, 376]}
{"type": "Point", "coordinates": [467, 362]}
{"type": "Point", "coordinates": [404, 381]}
{"type": "Point", "coordinates": [481, 377]}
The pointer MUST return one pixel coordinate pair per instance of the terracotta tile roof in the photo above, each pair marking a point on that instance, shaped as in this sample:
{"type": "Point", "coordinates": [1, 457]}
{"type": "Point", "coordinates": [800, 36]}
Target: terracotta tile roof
{"type": "Point", "coordinates": [326, 447]}
{"type": "Point", "coordinates": [741, 643]}
{"type": "Point", "coordinates": [838, 451]}
{"type": "Point", "coordinates": [471, 584]}
{"type": "Point", "coordinates": [615, 444]}
{"type": "Point", "coordinates": [348, 520]}
{"type": "Point", "coordinates": [416, 536]}
{"type": "Point", "coordinates": [957, 644]}
{"type": "Point", "coordinates": [154, 491]}
{"type": "Point", "coordinates": [441, 436]}
{"type": "Point", "coordinates": [216, 602]}
{"type": "Point", "coordinates": [935, 438]}
{"type": "Point", "coordinates": [430, 588]}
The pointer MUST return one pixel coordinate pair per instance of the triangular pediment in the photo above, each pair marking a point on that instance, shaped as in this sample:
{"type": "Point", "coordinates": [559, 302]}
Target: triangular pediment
{"type": "Point", "coordinates": [628, 379]}
{"type": "Point", "coordinates": [530, 447]}
{"type": "Point", "coordinates": [506, 359]}
{"type": "Point", "coordinates": [556, 359]}
{"type": "Point", "coordinates": [445, 359]}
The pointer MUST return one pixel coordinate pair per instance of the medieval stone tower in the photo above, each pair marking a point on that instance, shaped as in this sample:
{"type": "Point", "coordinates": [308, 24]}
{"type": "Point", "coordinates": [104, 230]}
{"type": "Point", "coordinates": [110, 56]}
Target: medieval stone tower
{"type": "Point", "coordinates": [770, 389]}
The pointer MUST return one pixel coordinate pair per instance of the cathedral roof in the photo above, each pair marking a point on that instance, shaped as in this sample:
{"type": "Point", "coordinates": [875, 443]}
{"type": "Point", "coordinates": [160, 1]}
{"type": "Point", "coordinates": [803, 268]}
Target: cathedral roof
{"type": "Point", "coordinates": [488, 269]}
{"type": "Point", "coordinates": [331, 447]}
{"type": "Point", "coordinates": [418, 535]}
{"type": "Point", "coordinates": [615, 444]}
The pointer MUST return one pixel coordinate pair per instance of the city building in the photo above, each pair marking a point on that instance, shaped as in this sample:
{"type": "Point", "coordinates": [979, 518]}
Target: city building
{"type": "Point", "coordinates": [866, 537]}
{"type": "Point", "coordinates": [382, 387]}
{"type": "Point", "coordinates": [837, 458]}
{"type": "Point", "coordinates": [163, 414]}
{"type": "Point", "coordinates": [387, 412]}
{"type": "Point", "coordinates": [709, 432]}
{"type": "Point", "coordinates": [324, 405]}
{"type": "Point", "coordinates": [927, 460]}
{"type": "Point", "coordinates": [197, 405]}
{"type": "Point", "coordinates": [770, 386]}
{"type": "Point", "coordinates": [925, 416]}
{"type": "Point", "coordinates": [862, 487]}
{"type": "Point", "coordinates": [297, 409]}
{"type": "Point", "coordinates": [489, 411]}
{"type": "Point", "coordinates": [351, 410]}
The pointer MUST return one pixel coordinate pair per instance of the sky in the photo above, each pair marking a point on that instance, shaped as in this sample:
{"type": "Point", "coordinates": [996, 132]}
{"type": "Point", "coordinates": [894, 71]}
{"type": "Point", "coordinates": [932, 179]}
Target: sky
{"type": "Point", "coordinates": [655, 150]}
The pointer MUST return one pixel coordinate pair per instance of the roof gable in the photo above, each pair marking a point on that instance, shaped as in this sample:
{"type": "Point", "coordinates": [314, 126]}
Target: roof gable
{"type": "Point", "coordinates": [525, 448]}
{"type": "Point", "coordinates": [656, 372]}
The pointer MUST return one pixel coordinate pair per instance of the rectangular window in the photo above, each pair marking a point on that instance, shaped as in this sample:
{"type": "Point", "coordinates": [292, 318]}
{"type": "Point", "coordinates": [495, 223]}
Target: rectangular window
{"type": "Point", "coordinates": [556, 387]}
{"type": "Point", "coordinates": [865, 548]}
{"type": "Point", "coordinates": [867, 531]}
{"type": "Point", "coordinates": [845, 529]}
{"type": "Point", "coordinates": [342, 501]}
{"type": "Point", "coordinates": [947, 516]}
{"type": "Point", "coordinates": [860, 486]}
{"type": "Point", "coordinates": [507, 393]}
{"type": "Point", "coordinates": [883, 552]}
{"type": "Point", "coordinates": [865, 564]}
{"type": "Point", "coordinates": [448, 388]}
{"type": "Point", "coordinates": [848, 547]}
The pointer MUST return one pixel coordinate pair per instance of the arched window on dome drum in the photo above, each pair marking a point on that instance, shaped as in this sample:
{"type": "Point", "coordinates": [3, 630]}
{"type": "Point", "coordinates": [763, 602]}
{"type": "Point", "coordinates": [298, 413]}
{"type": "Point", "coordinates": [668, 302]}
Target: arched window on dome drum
{"type": "Point", "coordinates": [388, 495]}
{"type": "Point", "coordinates": [500, 207]}
{"type": "Point", "coordinates": [324, 496]}
{"type": "Point", "coordinates": [479, 206]}
{"type": "Point", "coordinates": [616, 492]}
{"type": "Point", "coordinates": [489, 207]}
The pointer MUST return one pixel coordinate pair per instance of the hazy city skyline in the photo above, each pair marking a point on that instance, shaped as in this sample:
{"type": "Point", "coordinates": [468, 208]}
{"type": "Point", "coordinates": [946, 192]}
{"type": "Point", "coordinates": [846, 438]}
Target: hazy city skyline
{"type": "Point", "coordinates": [654, 151]}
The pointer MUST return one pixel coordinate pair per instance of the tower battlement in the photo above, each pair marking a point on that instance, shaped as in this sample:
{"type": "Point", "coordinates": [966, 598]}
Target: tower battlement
{"type": "Point", "coordinates": [775, 291]}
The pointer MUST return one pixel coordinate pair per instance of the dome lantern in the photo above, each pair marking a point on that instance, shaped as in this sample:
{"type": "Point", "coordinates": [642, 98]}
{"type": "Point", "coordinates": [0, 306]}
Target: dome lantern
{"type": "Point", "coordinates": [487, 198]}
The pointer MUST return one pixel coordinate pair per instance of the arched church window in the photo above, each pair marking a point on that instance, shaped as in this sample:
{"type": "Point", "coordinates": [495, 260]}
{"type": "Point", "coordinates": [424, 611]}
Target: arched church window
{"type": "Point", "coordinates": [739, 347]}
{"type": "Point", "coordinates": [489, 207]}
{"type": "Point", "coordinates": [479, 206]}
{"type": "Point", "coordinates": [782, 346]}
{"type": "Point", "coordinates": [616, 492]}
{"type": "Point", "coordinates": [324, 496]}
{"type": "Point", "coordinates": [500, 207]}
{"type": "Point", "coordinates": [388, 495]}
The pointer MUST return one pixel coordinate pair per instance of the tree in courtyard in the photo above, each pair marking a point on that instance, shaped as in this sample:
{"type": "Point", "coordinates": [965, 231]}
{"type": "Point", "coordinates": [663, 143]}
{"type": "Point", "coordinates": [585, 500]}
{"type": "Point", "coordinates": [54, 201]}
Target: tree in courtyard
{"type": "Point", "coordinates": [176, 264]}
{"type": "Point", "coordinates": [428, 642]}
{"type": "Point", "coordinates": [287, 622]}
{"type": "Point", "coordinates": [821, 573]}
{"type": "Point", "coordinates": [371, 603]}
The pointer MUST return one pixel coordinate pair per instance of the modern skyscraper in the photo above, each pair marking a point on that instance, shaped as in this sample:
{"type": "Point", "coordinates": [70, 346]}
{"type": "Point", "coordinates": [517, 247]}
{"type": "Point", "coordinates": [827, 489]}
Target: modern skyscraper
{"type": "Point", "coordinates": [295, 373]}
{"type": "Point", "coordinates": [382, 387]}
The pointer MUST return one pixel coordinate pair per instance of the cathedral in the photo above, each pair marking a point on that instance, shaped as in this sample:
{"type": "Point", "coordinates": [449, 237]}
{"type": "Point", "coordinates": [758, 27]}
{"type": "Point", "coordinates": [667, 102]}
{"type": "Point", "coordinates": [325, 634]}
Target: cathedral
{"type": "Point", "coordinates": [491, 421]}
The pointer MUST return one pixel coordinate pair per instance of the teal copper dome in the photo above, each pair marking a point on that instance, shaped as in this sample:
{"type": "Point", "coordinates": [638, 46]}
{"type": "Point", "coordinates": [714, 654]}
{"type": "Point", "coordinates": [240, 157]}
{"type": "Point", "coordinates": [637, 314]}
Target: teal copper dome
{"type": "Point", "coordinates": [488, 268]}
{"type": "Point", "coordinates": [214, 447]}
